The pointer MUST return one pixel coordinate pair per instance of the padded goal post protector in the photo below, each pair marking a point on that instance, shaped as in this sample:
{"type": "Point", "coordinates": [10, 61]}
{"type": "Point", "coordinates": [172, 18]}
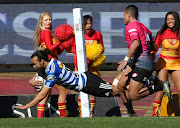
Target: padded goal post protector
{"type": "Point", "coordinates": [81, 57]}
{"type": "Point", "coordinates": [167, 106]}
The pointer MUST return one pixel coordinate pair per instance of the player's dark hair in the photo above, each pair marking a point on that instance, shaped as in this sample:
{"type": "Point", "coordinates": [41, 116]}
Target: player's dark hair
{"type": "Point", "coordinates": [133, 10]}
{"type": "Point", "coordinates": [176, 25]}
{"type": "Point", "coordinates": [42, 55]}
{"type": "Point", "coordinates": [85, 18]}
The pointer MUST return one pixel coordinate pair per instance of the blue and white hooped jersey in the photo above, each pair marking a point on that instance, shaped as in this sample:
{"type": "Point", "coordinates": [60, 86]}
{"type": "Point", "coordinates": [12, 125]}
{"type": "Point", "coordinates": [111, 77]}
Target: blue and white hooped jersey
{"type": "Point", "coordinates": [58, 73]}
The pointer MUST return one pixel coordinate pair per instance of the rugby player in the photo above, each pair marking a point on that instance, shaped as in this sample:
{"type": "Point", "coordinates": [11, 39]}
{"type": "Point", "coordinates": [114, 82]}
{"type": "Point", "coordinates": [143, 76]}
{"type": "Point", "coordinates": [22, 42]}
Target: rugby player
{"type": "Point", "coordinates": [57, 72]}
{"type": "Point", "coordinates": [139, 40]}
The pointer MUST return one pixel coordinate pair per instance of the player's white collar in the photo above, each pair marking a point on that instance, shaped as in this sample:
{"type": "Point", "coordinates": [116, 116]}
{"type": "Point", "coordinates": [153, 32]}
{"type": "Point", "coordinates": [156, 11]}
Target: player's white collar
{"type": "Point", "coordinates": [134, 20]}
{"type": "Point", "coordinates": [47, 68]}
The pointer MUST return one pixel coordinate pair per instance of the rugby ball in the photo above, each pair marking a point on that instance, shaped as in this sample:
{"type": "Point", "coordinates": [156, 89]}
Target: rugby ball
{"type": "Point", "coordinates": [39, 78]}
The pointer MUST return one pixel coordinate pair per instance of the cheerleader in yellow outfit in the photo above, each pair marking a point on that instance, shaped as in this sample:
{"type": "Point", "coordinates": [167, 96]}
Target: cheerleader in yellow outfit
{"type": "Point", "coordinates": [169, 59]}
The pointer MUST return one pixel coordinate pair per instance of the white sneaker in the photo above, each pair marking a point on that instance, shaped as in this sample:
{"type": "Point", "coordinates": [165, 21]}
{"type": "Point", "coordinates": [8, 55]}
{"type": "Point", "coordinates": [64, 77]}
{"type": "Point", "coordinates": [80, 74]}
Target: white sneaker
{"type": "Point", "coordinates": [129, 115]}
{"type": "Point", "coordinates": [166, 89]}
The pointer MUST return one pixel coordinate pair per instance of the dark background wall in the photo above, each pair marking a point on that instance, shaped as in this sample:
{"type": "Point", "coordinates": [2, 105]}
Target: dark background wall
{"type": "Point", "coordinates": [110, 107]}
{"type": "Point", "coordinates": [88, 1]}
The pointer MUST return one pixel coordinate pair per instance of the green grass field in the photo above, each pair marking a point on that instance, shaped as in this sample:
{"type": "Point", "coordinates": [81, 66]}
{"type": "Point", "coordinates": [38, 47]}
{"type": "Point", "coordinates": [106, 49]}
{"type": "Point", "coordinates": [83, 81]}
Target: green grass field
{"type": "Point", "coordinates": [98, 122]}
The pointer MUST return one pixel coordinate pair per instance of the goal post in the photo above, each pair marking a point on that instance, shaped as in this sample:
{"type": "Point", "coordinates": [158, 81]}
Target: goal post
{"type": "Point", "coordinates": [81, 57]}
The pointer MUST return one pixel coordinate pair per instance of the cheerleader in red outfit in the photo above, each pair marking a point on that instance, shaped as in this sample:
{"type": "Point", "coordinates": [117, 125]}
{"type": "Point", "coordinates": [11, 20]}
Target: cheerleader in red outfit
{"type": "Point", "coordinates": [94, 50]}
{"type": "Point", "coordinates": [44, 38]}
{"type": "Point", "coordinates": [169, 59]}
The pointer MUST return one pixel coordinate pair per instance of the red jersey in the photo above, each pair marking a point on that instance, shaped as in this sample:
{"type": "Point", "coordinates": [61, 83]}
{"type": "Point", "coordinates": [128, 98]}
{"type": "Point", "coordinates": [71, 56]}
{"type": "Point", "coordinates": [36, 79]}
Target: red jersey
{"type": "Point", "coordinates": [94, 35]}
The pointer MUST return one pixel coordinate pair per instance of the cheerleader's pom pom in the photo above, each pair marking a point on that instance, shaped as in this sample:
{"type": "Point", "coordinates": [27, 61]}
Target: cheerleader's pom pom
{"type": "Point", "coordinates": [93, 50]}
{"type": "Point", "coordinates": [100, 60]}
{"type": "Point", "coordinates": [63, 32]}
{"type": "Point", "coordinates": [68, 43]}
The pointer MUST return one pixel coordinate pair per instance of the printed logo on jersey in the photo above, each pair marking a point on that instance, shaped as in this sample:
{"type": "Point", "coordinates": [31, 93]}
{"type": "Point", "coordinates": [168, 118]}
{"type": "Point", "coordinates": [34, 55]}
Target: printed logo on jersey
{"type": "Point", "coordinates": [132, 30]}
{"type": "Point", "coordinates": [51, 77]}
{"type": "Point", "coordinates": [61, 65]}
{"type": "Point", "coordinates": [134, 75]}
{"type": "Point", "coordinates": [107, 94]}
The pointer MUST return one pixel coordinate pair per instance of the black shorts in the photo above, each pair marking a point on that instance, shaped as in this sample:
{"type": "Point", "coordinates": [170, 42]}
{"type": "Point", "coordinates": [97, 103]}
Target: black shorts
{"type": "Point", "coordinates": [96, 86]}
{"type": "Point", "coordinates": [141, 75]}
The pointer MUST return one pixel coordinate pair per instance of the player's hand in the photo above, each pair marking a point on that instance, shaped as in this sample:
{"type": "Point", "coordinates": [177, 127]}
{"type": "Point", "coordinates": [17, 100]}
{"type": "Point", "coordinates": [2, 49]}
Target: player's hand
{"type": "Point", "coordinates": [122, 64]}
{"type": "Point", "coordinates": [36, 84]}
{"type": "Point", "coordinates": [20, 107]}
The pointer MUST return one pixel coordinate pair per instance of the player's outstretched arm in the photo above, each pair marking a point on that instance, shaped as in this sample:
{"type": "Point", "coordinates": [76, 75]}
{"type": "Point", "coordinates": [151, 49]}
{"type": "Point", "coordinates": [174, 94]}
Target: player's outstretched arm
{"type": "Point", "coordinates": [37, 99]}
{"type": "Point", "coordinates": [131, 52]}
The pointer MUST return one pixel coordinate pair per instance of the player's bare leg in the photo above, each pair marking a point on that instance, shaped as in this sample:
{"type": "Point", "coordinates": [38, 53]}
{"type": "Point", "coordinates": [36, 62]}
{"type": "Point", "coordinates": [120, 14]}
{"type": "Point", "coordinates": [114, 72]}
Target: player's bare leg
{"type": "Point", "coordinates": [115, 90]}
{"type": "Point", "coordinates": [124, 92]}
{"type": "Point", "coordinates": [138, 91]}
{"type": "Point", "coordinates": [134, 89]}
